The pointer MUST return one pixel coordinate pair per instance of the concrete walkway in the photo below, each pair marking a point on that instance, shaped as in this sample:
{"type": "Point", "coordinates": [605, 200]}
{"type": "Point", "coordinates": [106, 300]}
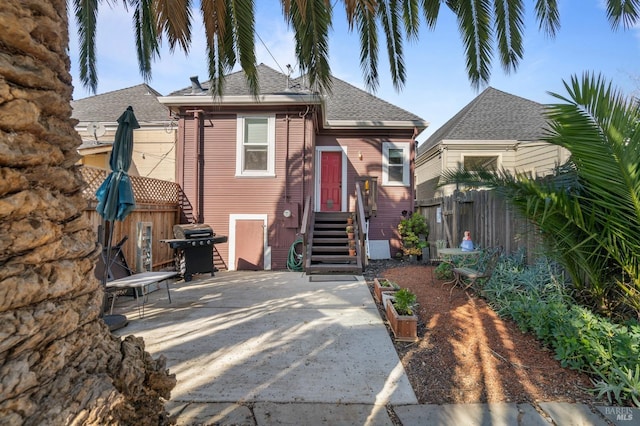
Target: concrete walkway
{"type": "Point", "coordinates": [267, 348]}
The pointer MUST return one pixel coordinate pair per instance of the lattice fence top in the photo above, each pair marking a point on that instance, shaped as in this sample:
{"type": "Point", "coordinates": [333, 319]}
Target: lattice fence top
{"type": "Point", "coordinates": [145, 190]}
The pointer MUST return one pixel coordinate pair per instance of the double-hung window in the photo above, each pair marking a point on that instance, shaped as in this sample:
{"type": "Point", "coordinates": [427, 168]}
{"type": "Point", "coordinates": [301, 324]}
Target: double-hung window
{"type": "Point", "coordinates": [255, 148]}
{"type": "Point", "coordinates": [395, 164]}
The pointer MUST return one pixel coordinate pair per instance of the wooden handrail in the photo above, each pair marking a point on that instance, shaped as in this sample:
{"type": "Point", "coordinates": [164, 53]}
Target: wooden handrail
{"type": "Point", "coordinates": [307, 220]}
{"type": "Point", "coordinates": [304, 227]}
{"type": "Point", "coordinates": [360, 219]}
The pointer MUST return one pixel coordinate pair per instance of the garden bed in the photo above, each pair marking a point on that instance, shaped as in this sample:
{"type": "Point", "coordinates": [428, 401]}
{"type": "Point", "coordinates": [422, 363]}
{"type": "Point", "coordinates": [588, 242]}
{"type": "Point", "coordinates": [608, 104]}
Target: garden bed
{"type": "Point", "coordinates": [467, 354]}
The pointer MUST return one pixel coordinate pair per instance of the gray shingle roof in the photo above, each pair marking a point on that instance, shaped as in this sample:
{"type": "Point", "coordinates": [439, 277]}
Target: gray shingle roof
{"type": "Point", "coordinates": [107, 107]}
{"type": "Point", "coordinates": [492, 115]}
{"type": "Point", "coordinates": [346, 102]}
{"type": "Point", "coordinates": [270, 80]}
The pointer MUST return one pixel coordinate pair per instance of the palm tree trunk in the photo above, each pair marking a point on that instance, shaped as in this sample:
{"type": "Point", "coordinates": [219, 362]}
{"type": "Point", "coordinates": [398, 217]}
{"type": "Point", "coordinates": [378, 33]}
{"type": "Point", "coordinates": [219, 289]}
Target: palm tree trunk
{"type": "Point", "coordinates": [59, 362]}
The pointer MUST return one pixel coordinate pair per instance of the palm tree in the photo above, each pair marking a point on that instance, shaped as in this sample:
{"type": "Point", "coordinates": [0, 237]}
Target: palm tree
{"type": "Point", "coordinates": [589, 210]}
{"type": "Point", "coordinates": [230, 32]}
{"type": "Point", "coordinates": [60, 364]}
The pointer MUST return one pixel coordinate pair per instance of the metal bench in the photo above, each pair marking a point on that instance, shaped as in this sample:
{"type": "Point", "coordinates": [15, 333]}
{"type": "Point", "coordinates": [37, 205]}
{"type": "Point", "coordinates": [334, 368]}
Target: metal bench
{"type": "Point", "coordinates": [120, 278]}
{"type": "Point", "coordinates": [140, 281]}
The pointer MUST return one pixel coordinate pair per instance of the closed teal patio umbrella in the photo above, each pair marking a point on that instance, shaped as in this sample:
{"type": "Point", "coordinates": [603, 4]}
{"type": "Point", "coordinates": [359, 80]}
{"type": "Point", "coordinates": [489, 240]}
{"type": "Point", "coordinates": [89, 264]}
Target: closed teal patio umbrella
{"type": "Point", "coordinates": [115, 195]}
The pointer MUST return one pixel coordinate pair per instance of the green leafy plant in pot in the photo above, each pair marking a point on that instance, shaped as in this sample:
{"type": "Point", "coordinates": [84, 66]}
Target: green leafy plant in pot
{"type": "Point", "coordinates": [404, 301]}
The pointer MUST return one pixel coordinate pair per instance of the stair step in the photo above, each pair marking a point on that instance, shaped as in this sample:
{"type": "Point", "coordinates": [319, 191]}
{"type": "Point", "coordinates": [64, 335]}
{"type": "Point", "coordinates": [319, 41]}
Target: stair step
{"type": "Point", "coordinates": [335, 241]}
{"type": "Point", "coordinates": [329, 233]}
{"type": "Point", "coordinates": [330, 249]}
{"type": "Point", "coordinates": [327, 267]}
{"type": "Point", "coordinates": [330, 225]}
{"type": "Point", "coordinates": [333, 258]}
{"type": "Point", "coordinates": [331, 215]}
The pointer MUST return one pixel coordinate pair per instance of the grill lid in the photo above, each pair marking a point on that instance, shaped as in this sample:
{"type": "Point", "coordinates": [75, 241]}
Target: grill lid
{"type": "Point", "coordinates": [193, 230]}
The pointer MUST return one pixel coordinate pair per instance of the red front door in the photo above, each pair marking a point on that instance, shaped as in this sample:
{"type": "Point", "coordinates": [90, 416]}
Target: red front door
{"type": "Point", "coordinates": [330, 181]}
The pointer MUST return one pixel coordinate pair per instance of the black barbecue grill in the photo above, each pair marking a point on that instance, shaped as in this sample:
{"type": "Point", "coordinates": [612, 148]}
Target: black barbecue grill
{"type": "Point", "coordinates": [193, 245]}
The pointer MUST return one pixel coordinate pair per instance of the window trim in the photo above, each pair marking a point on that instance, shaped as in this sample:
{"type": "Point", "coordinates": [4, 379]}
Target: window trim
{"type": "Point", "coordinates": [483, 154]}
{"type": "Point", "coordinates": [271, 146]}
{"type": "Point", "coordinates": [406, 152]}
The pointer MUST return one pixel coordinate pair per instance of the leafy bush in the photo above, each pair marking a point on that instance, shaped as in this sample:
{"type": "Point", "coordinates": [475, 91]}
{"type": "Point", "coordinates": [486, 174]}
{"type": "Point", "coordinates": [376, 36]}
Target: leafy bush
{"type": "Point", "coordinates": [444, 271]}
{"type": "Point", "coordinates": [404, 301]}
{"type": "Point", "coordinates": [410, 230]}
{"type": "Point", "coordinates": [536, 298]}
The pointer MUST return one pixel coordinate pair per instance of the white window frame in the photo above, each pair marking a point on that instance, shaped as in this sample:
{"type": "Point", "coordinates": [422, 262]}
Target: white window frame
{"type": "Point", "coordinates": [484, 154]}
{"type": "Point", "coordinates": [271, 147]}
{"type": "Point", "coordinates": [406, 152]}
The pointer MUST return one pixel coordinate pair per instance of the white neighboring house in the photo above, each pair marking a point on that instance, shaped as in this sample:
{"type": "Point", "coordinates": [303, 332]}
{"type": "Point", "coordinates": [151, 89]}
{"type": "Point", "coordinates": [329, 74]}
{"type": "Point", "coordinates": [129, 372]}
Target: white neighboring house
{"type": "Point", "coordinates": [495, 129]}
{"type": "Point", "coordinates": [154, 142]}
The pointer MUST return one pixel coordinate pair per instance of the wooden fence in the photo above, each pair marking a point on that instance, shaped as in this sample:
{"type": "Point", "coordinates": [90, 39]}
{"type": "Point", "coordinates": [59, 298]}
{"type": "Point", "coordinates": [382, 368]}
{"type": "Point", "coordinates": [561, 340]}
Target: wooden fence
{"type": "Point", "coordinates": [158, 203]}
{"type": "Point", "coordinates": [491, 221]}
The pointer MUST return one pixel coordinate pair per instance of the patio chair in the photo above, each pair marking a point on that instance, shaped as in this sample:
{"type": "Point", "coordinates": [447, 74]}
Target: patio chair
{"type": "Point", "coordinates": [466, 277]}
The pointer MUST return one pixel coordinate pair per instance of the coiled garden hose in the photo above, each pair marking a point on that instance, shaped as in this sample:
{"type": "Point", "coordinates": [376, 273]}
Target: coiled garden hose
{"type": "Point", "coordinates": [294, 262]}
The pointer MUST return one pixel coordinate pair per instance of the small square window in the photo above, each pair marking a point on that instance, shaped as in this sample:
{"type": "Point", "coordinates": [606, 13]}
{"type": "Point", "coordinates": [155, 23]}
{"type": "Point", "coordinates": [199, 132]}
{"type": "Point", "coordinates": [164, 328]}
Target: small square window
{"type": "Point", "coordinates": [256, 146]}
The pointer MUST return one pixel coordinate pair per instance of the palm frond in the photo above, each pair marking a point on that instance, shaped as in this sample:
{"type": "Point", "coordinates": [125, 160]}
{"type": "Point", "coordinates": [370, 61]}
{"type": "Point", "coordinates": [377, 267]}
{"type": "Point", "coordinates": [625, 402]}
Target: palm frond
{"type": "Point", "coordinates": [86, 14]}
{"type": "Point", "coordinates": [311, 21]}
{"type": "Point", "coordinates": [388, 13]}
{"type": "Point", "coordinates": [173, 19]}
{"type": "Point", "coordinates": [411, 17]}
{"type": "Point", "coordinates": [366, 22]}
{"type": "Point", "coordinates": [623, 13]}
{"type": "Point", "coordinates": [509, 17]}
{"type": "Point", "coordinates": [474, 23]}
{"type": "Point", "coordinates": [431, 11]}
{"type": "Point", "coordinates": [600, 128]}
{"type": "Point", "coordinates": [352, 9]}
{"type": "Point", "coordinates": [243, 14]}
{"type": "Point", "coordinates": [147, 41]}
{"type": "Point", "coordinates": [548, 16]}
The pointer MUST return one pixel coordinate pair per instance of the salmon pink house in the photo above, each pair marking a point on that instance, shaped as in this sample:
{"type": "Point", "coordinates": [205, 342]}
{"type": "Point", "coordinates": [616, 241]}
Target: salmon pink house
{"type": "Point", "coordinates": [285, 174]}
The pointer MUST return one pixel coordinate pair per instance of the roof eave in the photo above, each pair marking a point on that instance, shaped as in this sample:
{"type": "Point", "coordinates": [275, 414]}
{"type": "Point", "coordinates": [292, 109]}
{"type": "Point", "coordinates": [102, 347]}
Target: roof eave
{"type": "Point", "coordinates": [382, 124]}
{"type": "Point", "coordinates": [241, 100]}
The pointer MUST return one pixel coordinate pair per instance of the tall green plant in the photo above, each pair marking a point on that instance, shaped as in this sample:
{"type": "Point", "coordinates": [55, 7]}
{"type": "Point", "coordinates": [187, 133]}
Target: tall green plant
{"type": "Point", "coordinates": [589, 210]}
{"type": "Point", "coordinates": [410, 230]}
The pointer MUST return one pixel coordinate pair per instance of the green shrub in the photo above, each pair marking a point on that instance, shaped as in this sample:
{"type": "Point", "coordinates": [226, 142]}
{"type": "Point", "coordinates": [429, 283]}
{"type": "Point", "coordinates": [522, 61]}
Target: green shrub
{"type": "Point", "coordinates": [536, 298]}
{"type": "Point", "coordinates": [444, 271]}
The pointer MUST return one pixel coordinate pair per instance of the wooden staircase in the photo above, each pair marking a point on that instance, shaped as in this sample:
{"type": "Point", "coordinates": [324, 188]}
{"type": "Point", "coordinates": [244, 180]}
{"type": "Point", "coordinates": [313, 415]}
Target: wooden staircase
{"type": "Point", "coordinates": [328, 246]}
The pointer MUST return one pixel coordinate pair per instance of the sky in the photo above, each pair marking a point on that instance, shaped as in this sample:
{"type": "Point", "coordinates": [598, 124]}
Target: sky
{"type": "Point", "coordinates": [436, 87]}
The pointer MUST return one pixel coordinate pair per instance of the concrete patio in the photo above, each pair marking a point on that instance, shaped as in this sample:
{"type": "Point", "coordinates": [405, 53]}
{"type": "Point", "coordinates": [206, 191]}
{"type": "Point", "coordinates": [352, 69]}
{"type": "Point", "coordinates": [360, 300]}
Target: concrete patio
{"type": "Point", "coordinates": [267, 348]}
{"type": "Point", "coordinates": [271, 337]}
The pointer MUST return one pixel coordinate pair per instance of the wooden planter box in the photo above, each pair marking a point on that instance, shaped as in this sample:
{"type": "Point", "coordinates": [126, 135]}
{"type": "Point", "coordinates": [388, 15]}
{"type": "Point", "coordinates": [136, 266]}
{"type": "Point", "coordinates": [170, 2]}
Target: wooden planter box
{"type": "Point", "coordinates": [378, 289]}
{"type": "Point", "coordinates": [404, 327]}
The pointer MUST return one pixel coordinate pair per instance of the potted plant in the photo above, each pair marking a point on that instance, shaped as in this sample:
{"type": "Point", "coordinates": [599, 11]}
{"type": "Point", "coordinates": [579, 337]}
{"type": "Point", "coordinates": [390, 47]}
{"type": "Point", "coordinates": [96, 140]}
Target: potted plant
{"type": "Point", "coordinates": [350, 232]}
{"type": "Point", "coordinates": [413, 231]}
{"type": "Point", "coordinates": [350, 219]}
{"type": "Point", "coordinates": [352, 247]}
{"type": "Point", "coordinates": [383, 285]}
{"type": "Point", "coordinates": [401, 316]}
